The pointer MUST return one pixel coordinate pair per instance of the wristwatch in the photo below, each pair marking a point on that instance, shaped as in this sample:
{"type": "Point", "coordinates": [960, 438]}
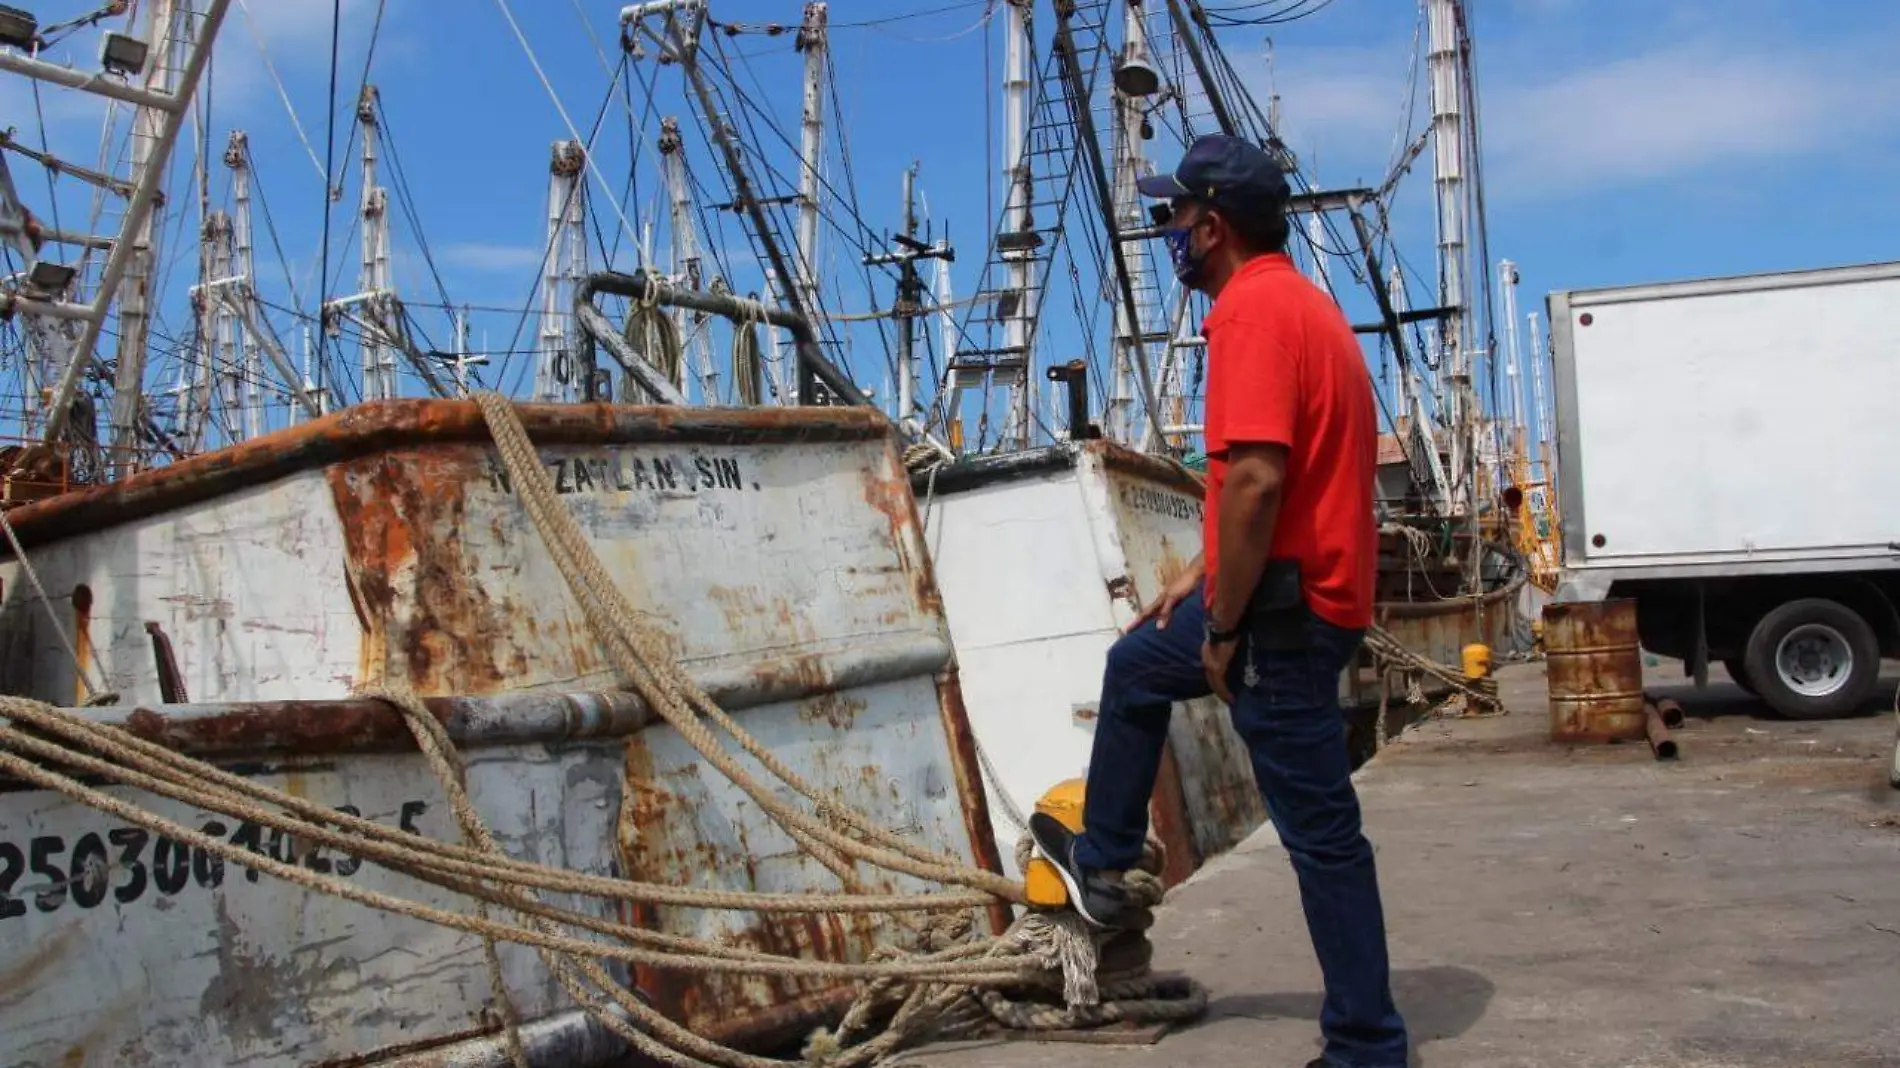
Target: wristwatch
{"type": "Point", "coordinates": [1220, 637]}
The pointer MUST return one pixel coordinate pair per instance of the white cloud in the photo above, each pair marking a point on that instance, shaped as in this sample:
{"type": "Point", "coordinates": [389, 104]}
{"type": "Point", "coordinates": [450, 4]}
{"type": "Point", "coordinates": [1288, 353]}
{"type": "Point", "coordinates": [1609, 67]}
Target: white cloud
{"type": "Point", "coordinates": [1340, 105]}
{"type": "Point", "coordinates": [1682, 110]}
{"type": "Point", "coordinates": [490, 256]}
{"type": "Point", "coordinates": [1556, 122]}
{"type": "Point", "coordinates": [293, 27]}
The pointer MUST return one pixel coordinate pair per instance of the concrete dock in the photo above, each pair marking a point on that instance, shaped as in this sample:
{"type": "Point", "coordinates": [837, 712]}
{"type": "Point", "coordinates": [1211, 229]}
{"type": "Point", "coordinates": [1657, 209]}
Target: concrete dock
{"type": "Point", "coordinates": [1575, 908]}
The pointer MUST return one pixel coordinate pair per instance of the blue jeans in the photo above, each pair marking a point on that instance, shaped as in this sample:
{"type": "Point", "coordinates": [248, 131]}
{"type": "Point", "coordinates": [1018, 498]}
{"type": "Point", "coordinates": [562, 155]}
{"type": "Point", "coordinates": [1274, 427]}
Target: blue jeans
{"type": "Point", "coordinates": [1296, 736]}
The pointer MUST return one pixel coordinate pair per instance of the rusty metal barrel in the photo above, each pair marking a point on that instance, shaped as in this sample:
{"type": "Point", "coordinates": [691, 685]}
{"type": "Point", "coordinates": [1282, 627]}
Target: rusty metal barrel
{"type": "Point", "coordinates": [1594, 665]}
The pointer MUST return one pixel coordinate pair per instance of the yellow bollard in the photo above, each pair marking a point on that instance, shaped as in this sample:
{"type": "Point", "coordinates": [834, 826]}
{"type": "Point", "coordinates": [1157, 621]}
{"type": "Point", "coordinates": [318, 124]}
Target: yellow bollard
{"type": "Point", "coordinates": [1477, 657]}
{"type": "Point", "coordinates": [1041, 885]}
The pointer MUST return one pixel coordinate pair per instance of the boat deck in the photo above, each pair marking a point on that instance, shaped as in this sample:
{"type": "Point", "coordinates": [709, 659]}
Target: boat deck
{"type": "Point", "coordinates": [1585, 908]}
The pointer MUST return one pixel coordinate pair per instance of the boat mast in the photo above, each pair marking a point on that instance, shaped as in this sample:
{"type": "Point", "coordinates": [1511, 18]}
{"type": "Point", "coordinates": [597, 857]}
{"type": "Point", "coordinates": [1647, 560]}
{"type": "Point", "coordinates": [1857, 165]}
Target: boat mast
{"type": "Point", "coordinates": [563, 267]}
{"type": "Point", "coordinates": [814, 44]}
{"type": "Point", "coordinates": [224, 386]}
{"type": "Point", "coordinates": [1448, 138]}
{"type": "Point", "coordinates": [463, 360]}
{"type": "Point", "coordinates": [1548, 474]}
{"type": "Point", "coordinates": [200, 378]}
{"type": "Point", "coordinates": [1316, 237]}
{"type": "Point", "coordinates": [48, 340]}
{"type": "Point", "coordinates": [168, 28]}
{"type": "Point", "coordinates": [687, 267]}
{"type": "Point", "coordinates": [1507, 285]}
{"type": "Point", "coordinates": [309, 383]}
{"type": "Point", "coordinates": [231, 326]}
{"type": "Point", "coordinates": [1410, 397]}
{"type": "Point", "coordinates": [1135, 80]}
{"type": "Point", "coordinates": [1016, 219]}
{"type": "Point", "coordinates": [249, 371]}
{"type": "Point", "coordinates": [909, 306]}
{"type": "Point", "coordinates": [946, 313]}
{"type": "Point", "coordinates": [378, 360]}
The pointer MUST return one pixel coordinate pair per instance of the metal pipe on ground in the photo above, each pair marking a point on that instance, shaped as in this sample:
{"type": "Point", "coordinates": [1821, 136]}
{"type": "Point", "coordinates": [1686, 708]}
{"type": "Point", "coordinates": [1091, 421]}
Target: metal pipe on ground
{"type": "Point", "coordinates": [1659, 741]}
{"type": "Point", "coordinates": [1671, 711]}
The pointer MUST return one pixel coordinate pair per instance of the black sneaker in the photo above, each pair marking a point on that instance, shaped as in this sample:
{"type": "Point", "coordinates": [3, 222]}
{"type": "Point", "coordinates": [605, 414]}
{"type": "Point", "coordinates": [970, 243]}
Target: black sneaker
{"type": "Point", "coordinates": [1097, 900]}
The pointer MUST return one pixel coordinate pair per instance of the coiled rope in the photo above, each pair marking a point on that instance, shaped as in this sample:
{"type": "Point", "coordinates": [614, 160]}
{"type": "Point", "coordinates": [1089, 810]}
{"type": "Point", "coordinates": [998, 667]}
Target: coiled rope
{"type": "Point", "coordinates": [653, 334]}
{"type": "Point", "coordinates": [951, 982]}
{"type": "Point", "coordinates": [748, 362]}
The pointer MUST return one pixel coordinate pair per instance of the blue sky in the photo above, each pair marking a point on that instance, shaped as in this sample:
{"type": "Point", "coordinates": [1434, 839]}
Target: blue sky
{"type": "Point", "coordinates": [1625, 140]}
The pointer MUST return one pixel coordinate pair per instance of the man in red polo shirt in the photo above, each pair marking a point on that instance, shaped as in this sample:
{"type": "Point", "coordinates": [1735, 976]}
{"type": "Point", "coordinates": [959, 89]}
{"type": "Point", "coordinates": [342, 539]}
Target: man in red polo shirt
{"type": "Point", "coordinates": [1290, 548]}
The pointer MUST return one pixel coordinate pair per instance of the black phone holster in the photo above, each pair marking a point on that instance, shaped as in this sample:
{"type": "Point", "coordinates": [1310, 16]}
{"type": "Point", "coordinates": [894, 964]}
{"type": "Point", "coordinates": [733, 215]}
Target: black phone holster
{"type": "Point", "coordinates": [1276, 613]}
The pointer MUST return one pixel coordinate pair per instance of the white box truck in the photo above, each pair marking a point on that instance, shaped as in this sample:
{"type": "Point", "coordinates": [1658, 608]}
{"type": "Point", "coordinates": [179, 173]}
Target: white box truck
{"type": "Point", "coordinates": [1727, 458]}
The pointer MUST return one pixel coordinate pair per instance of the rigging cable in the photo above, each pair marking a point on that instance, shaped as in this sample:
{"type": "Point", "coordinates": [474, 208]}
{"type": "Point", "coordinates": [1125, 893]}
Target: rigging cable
{"type": "Point", "coordinates": [573, 132]}
{"type": "Point", "coordinates": [375, 32]}
{"type": "Point", "coordinates": [864, 236]}
{"type": "Point", "coordinates": [282, 94]}
{"type": "Point", "coordinates": [1402, 137]}
{"type": "Point", "coordinates": [778, 29]}
{"type": "Point", "coordinates": [1290, 13]}
{"type": "Point", "coordinates": [989, 12]}
{"type": "Point", "coordinates": [746, 112]}
{"type": "Point", "coordinates": [1477, 192]}
{"type": "Point", "coordinates": [329, 170]}
{"type": "Point", "coordinates": [887, 19]}
{"type": "Point", "coordinates": [636, 141]}
{"type": "Point", "coordinates": [405, 200]}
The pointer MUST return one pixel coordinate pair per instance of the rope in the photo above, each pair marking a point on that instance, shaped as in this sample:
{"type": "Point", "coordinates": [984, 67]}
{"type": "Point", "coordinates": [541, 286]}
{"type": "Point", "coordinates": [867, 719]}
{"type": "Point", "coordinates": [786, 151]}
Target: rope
{"type": "Point", "coordinates": [655, 336]}
{"type": "Point", "coordinates": [1011, 811]}
{"type": "Point", "coordinates": [1481, 695]}
{"type": "Point", "coordinates": [923, 457]}
{"type": "Point", "coordinates": [748, 368]}
{"type": "Point", "coordinates": [950, 983]}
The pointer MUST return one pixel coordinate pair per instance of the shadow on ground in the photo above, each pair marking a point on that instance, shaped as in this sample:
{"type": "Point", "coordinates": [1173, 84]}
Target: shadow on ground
{"type": "Point", "coordinates": [1437, 1003]}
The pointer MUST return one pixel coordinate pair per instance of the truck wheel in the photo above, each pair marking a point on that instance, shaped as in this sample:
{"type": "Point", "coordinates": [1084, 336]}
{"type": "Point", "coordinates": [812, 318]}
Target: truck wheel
{"type": "Point", "coordinates": [1812, 659]}
{"type": "Point", "coordinates": [1738, 674]}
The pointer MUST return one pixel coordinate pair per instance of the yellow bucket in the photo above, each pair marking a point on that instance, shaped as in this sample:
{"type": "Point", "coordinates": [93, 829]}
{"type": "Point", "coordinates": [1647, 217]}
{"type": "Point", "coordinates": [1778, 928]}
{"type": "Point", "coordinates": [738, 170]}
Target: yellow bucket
{"type": "Point", "coordinates": [1041, 885]}
{"type": "Point", "coordinates": [1477, 658]}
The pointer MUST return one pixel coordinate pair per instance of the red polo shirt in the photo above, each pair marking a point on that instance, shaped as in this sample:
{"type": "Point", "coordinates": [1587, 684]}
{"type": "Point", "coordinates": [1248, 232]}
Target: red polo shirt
{"type": "Point", "coordinates": [1283, 366]}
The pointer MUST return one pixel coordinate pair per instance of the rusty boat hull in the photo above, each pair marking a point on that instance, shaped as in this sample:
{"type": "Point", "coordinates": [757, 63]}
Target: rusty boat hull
{"type": "Point", "coordinates": [233, 601]}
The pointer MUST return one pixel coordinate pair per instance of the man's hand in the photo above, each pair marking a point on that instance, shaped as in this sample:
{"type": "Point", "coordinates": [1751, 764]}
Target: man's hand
{"type": "Point", "coordinates": [1161, 609]}
{"type": "Point", "coordinates": [1215, 660]}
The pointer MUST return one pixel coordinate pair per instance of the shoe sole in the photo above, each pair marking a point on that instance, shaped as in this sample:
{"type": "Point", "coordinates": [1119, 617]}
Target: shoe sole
{"type": "Point", "coordinates": [1068, 880]}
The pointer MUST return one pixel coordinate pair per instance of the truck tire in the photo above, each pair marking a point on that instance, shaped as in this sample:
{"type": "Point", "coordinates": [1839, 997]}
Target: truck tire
{"type": "Point", "coordinates": [1738, 674]}
{"type": "Point", "coordinates": [1812, 659]}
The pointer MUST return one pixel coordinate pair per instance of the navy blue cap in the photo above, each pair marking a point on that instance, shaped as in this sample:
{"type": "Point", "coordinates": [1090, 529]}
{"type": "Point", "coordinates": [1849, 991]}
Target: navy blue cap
{"type": "Point", "coordinates": [1227, 172]}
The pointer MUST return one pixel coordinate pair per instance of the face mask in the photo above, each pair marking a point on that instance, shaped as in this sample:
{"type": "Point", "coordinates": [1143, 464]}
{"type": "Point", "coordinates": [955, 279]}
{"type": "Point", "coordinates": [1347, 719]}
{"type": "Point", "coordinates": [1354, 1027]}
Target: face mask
{"type": "Point", "coordinates": [1187, 265]}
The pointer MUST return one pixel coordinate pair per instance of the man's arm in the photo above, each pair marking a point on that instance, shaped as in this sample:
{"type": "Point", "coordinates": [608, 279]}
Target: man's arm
{"type": "Point", "coordinates": [1249, 507]}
